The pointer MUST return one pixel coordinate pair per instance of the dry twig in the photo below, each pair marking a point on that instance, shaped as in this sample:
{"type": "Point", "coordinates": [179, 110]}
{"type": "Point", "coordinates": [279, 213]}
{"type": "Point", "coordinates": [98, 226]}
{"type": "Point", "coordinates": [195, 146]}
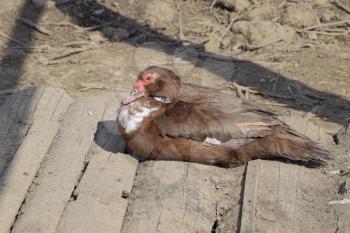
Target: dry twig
{"type": "Point", "coordinates": [331, 30]}
{"type": "Point", "coordinates": [34, 26]}
{"type": "Point", "coordinates": [248, 47]}
{"type": "Point", "coordinates": [77, 43]}
{"type": "Point", "coordinates": [63, 24]}
{"type": "Point", "coordinates": [212, 6]}
{"type": "Point", "coordinates": [228, 28]}
{"type": "Point", "coordinates": [341, 6]}
{"type": "Point", "coordinates": [242, 91]}
{"type": "Point", "coordinates": [282, 4]}
{"type": "Point", "coordinates": [12, 39]}
{"type": "Point", "coordinates": [277, 104]}
{"type": "Point", "coordinates": [332, 33]}
{"type": "Point", "coordinates": [325, 25]}
{"type": "Point", "coordinates": [70, 53]}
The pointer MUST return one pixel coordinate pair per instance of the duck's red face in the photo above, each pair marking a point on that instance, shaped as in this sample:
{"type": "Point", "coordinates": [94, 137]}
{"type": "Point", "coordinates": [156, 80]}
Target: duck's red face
{"type": "Point", "coordinates": [153, 81]}
{"type": "Point", "coordinates": [140, 86]}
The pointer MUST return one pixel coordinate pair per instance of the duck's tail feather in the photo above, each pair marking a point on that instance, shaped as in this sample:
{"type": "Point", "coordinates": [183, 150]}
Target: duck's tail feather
{"type": "Point", "coordinates": [284, 142]}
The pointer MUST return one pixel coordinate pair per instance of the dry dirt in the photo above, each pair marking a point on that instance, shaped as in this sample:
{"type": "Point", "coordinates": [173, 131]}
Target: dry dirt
{"type": "Point", "coordinates": [90, 47]}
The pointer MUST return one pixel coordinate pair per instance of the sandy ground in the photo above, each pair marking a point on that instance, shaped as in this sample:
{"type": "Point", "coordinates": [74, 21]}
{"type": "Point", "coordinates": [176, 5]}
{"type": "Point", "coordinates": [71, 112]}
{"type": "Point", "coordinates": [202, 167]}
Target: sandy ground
{"type": "Point", "coordinates": [294, 54]}
{"type": "Point", "coordinates": [96, 46]}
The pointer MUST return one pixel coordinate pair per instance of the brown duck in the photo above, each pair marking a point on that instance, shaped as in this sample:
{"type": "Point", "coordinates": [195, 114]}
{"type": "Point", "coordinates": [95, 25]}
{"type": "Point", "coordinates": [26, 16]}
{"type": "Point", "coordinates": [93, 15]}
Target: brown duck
{"type": "Point", "coordinates": [166, 119]}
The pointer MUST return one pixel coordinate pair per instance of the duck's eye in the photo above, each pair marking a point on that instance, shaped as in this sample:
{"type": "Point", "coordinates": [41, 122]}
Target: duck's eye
{"type": "Point", "coordinates": [149, 77]}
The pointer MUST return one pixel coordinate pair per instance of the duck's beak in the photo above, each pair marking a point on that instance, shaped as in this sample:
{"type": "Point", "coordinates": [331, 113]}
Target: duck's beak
{"type": "Point", "coordinates": [137, 92]}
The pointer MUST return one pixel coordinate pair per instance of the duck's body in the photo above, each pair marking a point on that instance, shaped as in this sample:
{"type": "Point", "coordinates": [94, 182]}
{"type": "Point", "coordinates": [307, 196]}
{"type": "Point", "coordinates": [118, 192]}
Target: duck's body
{"type": "Point", "coordinates": [179, 121]}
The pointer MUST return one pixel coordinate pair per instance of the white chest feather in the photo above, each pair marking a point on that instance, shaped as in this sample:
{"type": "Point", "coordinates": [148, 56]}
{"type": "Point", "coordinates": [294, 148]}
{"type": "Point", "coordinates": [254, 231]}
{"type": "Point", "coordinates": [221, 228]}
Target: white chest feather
{"type": "Point", "coordinates": [131, 117]}
{"type": "Point", "coordinates": [213, 141]}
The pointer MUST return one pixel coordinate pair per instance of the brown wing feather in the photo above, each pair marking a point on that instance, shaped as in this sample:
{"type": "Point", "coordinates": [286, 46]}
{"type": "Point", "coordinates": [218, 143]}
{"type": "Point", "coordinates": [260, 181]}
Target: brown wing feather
{"type": "Point", "coordinates": [250, 130]}
{"type": "Point", "coordinates": [203, 117]}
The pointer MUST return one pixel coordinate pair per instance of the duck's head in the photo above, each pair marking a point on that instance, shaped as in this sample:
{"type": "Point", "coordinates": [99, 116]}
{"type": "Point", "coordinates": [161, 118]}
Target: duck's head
{"type": "Point", "coordinates": [155, 81]}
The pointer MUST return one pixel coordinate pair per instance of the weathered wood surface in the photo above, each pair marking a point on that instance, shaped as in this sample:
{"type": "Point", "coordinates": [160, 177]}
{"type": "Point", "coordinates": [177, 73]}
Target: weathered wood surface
{"type": "Point", "coordinates": [107, 135]}
{"type": "Point", "coordinates": [168, 196]}
{"type": "Point", "coordinates": [19, 174]}
{"type": "Point", "coordinates": [46, 103]}
{"type": "Point", "coordinates": [311, 127]}
{"type": "Point", "coordinates": [171, 196]}
{"type": "Point", "coordinates": [99, 206]}
{"type": "Point", "coordinates": [15, 117]}
{"type": "Point", "coordinates": [342, 206]}
{"type": "Point", "coordinates": [281, 197]}
{"type": "Point", "coordinates": [62, 169]}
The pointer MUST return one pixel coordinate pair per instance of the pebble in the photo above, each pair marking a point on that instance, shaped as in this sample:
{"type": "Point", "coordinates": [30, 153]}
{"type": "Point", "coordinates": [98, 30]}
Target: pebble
{"type": "Point", "coordinates": [215, 181]}
{"type": "Point", "coordinates": [115, 34]}
{"type": "Point", "coordinates": [125, 194]}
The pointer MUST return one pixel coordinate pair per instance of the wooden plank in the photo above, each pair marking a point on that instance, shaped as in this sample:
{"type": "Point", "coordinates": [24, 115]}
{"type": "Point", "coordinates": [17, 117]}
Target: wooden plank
{"type": "Point", "coordinates": [309, 126]}
{"type": "Point", "coordinates": [343, 136]}
{"type": "Point", "coordinates": [20, 109]}
{"type": "Point", "coordinates": [343, 213]}
{"type": "Point", "coordinates": [15, 121]}
{"type": "Point", "coordinates": [172, 196]}
{"type": "Point", "coordinates": [53, 105]}
{"type": "Point", "coordinates": [107, 134]}
{"type": "Point", "coordinates": [281, 197]}
{"type": "Point", "coordinates": [99, 205]}
{"type": "Point", "coordinates": [342, 205]}
{"type": "Point", "coordinates": [250, 189]}
{"type": "Point", "coordinates": [60, 172]}
{"type": "Point", "coordinates": [19, 174]}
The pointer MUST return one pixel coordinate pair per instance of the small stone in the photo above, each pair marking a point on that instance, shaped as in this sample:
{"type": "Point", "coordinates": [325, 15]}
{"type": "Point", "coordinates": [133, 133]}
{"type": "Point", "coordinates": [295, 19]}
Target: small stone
{"type": "Point", "coordinates": [99, 11]}
{"type": "Point", "coordinates": [96, 36]}
{"type": "Point", "coordinates": [327, 15]}
{"type": "Point", "coordinates": [125, 194]}
{"type": "Point", "coordinates": [323, 56]}
{"type": "Point", "coordinates": [237, 48]}
{"type": "Point", "coordinates": [216, 182]}
{"type": "Point", "coordinates": [115, 34]}
{"type": "Point", "coordinates": [235, 5]}
{"type": "Point", "coordinates": [120, 34]}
